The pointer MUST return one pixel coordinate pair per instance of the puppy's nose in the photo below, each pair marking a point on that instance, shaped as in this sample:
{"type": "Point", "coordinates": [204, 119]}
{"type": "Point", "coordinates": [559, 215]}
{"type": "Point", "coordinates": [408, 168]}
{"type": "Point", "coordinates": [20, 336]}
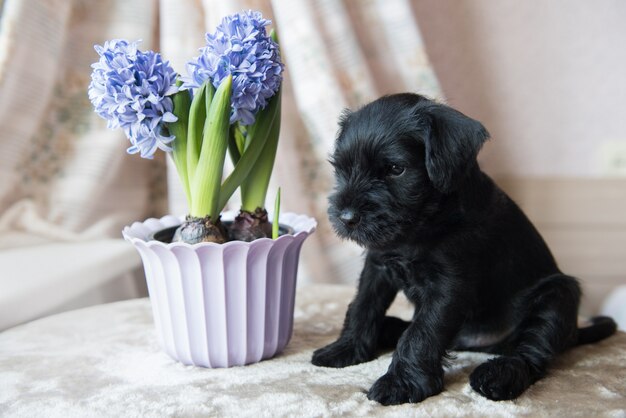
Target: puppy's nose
{"type": "Point", "coordinates": [349, 218]}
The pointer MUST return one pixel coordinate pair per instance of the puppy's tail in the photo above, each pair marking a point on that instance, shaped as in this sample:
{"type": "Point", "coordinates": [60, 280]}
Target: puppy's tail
{"type": "Point", "coordinates": [601, 327]}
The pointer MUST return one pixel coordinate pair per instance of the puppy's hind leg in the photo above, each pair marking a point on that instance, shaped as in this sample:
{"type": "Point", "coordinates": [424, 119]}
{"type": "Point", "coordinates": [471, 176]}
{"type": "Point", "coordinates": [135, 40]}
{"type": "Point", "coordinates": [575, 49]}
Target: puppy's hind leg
{"type": "Point", "coordinates": [548, 327]}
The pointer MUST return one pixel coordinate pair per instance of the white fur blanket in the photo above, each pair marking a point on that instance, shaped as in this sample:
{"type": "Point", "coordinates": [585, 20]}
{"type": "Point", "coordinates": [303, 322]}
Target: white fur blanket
{"type": "Point", "coordinates": [105, 361]}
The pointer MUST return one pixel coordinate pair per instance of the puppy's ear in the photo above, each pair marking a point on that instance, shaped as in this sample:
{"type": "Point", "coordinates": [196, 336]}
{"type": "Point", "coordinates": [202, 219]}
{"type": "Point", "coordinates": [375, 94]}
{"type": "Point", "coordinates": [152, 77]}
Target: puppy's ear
{"type": "Point", "coordinates": [452, 141]}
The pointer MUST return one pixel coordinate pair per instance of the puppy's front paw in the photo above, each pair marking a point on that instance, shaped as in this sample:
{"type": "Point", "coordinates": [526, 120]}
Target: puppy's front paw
{"type": "Point", "coordinates": [395, 389]}
{"type": "Point", "coordinates": [392, 390]}
{"type": "Point", "coordinates": [501, 378]}
{"type": "Point", "coordinates": [341, 353]}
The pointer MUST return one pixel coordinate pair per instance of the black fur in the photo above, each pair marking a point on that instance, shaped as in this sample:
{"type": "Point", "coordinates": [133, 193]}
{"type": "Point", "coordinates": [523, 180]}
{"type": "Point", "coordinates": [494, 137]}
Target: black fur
{"type": "Point", "coordinates": [409, 190]}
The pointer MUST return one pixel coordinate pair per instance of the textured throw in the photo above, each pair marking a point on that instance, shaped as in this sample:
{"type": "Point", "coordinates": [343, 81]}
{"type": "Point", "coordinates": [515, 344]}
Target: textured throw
{"type": "Point", "coordinates": [105, 361]}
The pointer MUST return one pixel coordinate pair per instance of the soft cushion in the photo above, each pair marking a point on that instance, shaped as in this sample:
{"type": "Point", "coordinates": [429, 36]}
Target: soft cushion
{"type": "Point", "coordinates": [105, 361]}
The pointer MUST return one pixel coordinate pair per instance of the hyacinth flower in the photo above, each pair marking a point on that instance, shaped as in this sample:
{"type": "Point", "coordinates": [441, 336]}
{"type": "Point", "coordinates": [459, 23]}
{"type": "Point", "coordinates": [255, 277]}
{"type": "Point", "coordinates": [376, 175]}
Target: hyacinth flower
{"type": "Point", "coordinates": [241, 48]}
{"type": "Point", "coordinates": [133, 90]}
{"type": "Point", "coordinates": [235, 106]}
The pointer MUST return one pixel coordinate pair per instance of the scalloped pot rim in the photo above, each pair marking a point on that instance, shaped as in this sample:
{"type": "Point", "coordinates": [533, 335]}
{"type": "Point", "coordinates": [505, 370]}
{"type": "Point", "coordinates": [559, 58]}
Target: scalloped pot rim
{"type": "Point", "coordinates": [136, 232]}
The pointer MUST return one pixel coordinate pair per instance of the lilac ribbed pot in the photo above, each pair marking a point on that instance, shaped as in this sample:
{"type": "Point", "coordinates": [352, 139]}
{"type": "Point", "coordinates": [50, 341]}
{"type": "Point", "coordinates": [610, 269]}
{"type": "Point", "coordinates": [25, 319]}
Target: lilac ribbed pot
{"type": "Point", "coordinates": [221, 305]}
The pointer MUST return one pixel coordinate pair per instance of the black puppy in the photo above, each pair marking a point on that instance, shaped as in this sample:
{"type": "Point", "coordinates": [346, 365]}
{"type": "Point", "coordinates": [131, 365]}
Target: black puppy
{"type": "Point", "coordinates": [409, 190]}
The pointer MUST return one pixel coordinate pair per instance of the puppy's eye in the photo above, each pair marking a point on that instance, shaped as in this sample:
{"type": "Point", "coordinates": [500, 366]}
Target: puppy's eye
{"type": "Point", "coordinates": [395, 170]}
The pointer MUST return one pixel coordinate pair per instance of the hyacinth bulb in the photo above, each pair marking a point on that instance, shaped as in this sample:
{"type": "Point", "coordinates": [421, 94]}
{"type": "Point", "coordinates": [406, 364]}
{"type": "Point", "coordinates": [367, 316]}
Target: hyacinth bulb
{"type": "Point", "coordinates": [249, 226]}
{"type": "Point", "coordinates": [195, 230]}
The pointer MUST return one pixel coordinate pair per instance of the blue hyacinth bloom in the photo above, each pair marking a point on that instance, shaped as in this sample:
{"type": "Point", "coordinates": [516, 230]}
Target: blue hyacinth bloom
{"type": "Point", "coordinates": [240, 46]}
{"type": "Point", "coordinates": [131, 89]}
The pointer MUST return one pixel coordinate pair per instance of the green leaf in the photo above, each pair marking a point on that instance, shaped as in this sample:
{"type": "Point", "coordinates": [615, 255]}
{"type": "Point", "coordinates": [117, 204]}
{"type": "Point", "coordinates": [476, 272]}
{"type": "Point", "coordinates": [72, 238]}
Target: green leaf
{"type": "Point", "coordinates": [206, 183]}
{"type": "Point", "coordinates": [197, 116]}
{"type": "Point", "coordinates": [254, 187]}
{"type": "Point", "coordinates": [274, 35]}
{"type": "Point", "coordinates": [275, 226]}
{"type": "Point", "coordinates": [258, 134]}
{"type": "Point", "coordinates": [181, 101]}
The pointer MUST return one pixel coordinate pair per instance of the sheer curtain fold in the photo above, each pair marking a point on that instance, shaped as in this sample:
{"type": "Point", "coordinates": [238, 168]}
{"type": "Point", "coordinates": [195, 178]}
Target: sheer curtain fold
{"type": "Point", "coordinates": [64, 175]}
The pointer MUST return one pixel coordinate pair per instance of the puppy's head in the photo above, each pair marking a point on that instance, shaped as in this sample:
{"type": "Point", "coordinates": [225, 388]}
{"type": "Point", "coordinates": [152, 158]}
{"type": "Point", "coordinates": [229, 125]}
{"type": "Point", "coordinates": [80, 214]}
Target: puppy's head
{"type": "Point", "coordinates": [393, 159]}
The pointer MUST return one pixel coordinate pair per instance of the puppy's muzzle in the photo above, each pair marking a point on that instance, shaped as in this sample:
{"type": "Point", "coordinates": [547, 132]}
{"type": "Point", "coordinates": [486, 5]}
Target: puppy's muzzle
{"type": "Point", "coordinates": [349, 218]}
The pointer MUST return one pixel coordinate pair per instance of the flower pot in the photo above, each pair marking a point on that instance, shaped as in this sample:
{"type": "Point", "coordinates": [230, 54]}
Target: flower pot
{"type": "Point", "coordinates": [221, 305]}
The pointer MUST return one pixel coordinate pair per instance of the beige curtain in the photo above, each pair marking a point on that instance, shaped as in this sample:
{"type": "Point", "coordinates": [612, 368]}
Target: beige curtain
{"type": "Point", "coordinates": [64, 173]}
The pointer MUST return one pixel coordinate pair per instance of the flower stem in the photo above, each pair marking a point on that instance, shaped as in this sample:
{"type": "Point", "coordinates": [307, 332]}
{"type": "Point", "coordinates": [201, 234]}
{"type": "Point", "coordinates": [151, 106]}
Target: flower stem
{"type": "Point", "coordinates": [205, 186]}
{"type": "Point", "coordinates": [233, 143]}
